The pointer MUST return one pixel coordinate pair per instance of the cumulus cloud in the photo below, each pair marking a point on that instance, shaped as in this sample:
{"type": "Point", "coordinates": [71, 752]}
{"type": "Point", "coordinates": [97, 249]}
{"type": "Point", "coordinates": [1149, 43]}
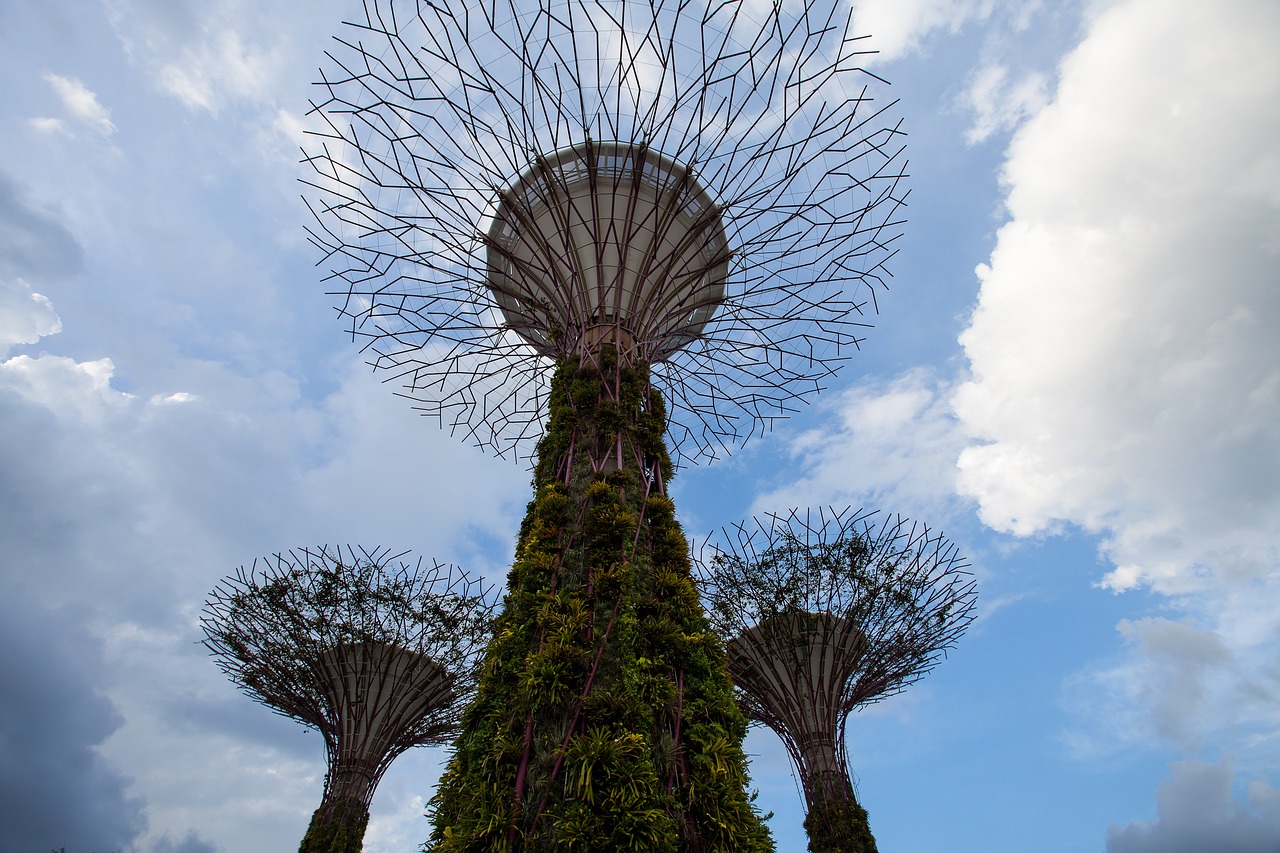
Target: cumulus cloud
{"type": "Point", "coordinates": [25, 316]}
{"type": "Point", "coordinates": [64, 385]}
{"type": "Point", "coordinates": [1123, 355]}
{"type": "Point", "coordinates": [891, 445]}
{"type": "Point", "coordinates": [1197, 812]}
{"type": "Point", "coordinates": [57, 788]}
{"type": "Point", "coordinates": [1124, 366]}
{"type": "Point", "coordinates": [1207, 676]}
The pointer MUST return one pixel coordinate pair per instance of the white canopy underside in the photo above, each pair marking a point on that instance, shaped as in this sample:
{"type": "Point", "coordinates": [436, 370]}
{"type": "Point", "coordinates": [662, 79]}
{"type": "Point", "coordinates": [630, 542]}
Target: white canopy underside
{"type": "Point", "coordinates": [607, 241]}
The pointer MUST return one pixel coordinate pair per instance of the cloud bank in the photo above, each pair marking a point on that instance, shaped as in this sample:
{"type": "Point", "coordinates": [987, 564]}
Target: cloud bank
{"type": "Point", "coordinates": [58, 790]}
{"type": "Point", "coordinates": [1197, 812]}
{"type": "Point", "coordinates": [1125, 374]}
{"type": "Point", "coordinates": [1124, 370]}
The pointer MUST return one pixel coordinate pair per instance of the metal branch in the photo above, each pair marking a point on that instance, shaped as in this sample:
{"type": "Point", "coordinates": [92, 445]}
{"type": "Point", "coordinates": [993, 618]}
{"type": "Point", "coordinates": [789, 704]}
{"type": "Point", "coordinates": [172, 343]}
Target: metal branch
{"type": "Point", "coordinates": [827, 611]}
{"type": "Point", "coordinates": [375, 653]}
{"type": "Point", "coordinates": [441, 119]}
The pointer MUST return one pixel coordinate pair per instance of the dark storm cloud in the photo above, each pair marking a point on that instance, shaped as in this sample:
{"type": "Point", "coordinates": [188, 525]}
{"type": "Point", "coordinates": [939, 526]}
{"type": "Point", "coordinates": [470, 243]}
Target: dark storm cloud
{"type": "Point", "coordinates": [33, 244]}
{"type": "Point", "coordinates": [62, 504]}
{"type": "Point", "coordinates": [56, 789]}
{"type": "Point", "coordinates": [1196, 813]}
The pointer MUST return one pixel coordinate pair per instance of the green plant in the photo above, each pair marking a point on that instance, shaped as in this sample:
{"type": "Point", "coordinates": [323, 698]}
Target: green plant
{"type": "Point", "coordinates": [605, 717]}
{"type": "Point", "coordinates": [377, 655]}
{"type": "Point", "coordinates": [839, 826]}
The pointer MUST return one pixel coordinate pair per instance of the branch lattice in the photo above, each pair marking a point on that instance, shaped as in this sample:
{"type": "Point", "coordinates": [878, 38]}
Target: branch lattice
{"type": "Point", "coordinates": [826, 611]}
{"type": "Point", "coordinates": [377, 654]}
{"type": "Point", "coordinates": [432, 110]}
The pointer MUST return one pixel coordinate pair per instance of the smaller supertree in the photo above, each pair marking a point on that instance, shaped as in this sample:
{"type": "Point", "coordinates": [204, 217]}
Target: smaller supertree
{"type": "Point", "coordinates": [375, 653]}
{"type": "Point", "coordinates": [822, 613]}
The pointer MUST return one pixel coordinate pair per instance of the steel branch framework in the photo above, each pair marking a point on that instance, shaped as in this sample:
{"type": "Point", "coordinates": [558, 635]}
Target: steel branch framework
{"type": "Point", "coordinates": [377, 654]}
{"type": "Point", "coordinates": [445, 131]}
{"type": "Point", "coordinates": [826, 611]}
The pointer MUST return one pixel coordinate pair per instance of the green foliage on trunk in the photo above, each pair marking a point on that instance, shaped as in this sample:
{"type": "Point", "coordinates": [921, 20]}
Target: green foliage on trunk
{"type": "Point", "coordinates": [605, 718]}
{"type": "Point", "coordinates": [839, 826]}
{"type": "Point", "coordinates": [337, 828]}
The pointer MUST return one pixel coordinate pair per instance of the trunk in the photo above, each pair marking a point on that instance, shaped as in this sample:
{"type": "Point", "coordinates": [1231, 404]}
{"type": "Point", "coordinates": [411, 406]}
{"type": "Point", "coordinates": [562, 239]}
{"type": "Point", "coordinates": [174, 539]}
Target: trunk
{"type": "Point", "coordinates": [337, 826]}
{"type": "Point", "coordinates": [605, 716]}
{"type": "Point", "coordinates": [838, 826]}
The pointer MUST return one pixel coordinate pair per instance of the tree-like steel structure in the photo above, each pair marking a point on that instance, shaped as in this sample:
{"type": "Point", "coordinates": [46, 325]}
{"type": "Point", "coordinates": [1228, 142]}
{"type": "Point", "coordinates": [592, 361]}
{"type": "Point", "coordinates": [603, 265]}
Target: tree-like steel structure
{"type": "Point", "coordinates": [548, 219]}
{"type": "Point", "coordinates": [825, 612]}
{"type": "Point", "coordinates": [499, 184]}
{"type": "Point", "coordinates": [377, 654]}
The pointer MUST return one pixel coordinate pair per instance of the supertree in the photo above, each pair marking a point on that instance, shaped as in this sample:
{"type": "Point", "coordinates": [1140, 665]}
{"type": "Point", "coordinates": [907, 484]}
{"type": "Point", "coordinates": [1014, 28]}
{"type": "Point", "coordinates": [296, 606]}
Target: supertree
{"type": "Point", "coordinates": [548, 219]}
{"type": "Point", "coordinates": [377, 654]}
{"type": "Point", "coordinates": [823, 613]}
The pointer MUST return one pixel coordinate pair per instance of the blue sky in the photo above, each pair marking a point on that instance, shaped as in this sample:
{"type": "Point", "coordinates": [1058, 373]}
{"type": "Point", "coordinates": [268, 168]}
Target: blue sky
{"type": "Point", "coordinates": [1074, 374]}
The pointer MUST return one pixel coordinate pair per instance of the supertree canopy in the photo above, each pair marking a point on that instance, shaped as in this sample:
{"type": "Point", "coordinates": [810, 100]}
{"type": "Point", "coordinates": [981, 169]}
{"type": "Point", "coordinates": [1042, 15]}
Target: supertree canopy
{"type": "Point", "coordinates": [502, 183]}
{"type": "Point", "coordinates": [548, 220]}
{"type": "Point", "coordinates": [824, 612]}
{"type": "Point", "coordinates": [377, 654]}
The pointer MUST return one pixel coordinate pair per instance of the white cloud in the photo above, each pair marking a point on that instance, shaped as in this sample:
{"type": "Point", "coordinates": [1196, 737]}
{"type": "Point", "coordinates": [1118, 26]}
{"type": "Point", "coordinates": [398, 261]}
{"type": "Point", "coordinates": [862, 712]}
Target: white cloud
{"type": "Point", "coordinates": [82, 103]}
{"type": "Point", "coordinates": [1124, 366]}
{"type": "Point", "coordinates": [1125, 373]}
{"type": "Point", "coordinates": [1000, 105]}
{"type": "Point", "coordinates": [175, 399]}
{"type": "Point", "coordinates": [1197, 812]}
{"type": "Point", "coordinates": [215, 55]}
{"type": "Point", "coordinates": [47, 125]}
{"type": "Point", "coordinates": [898, 26]}
{"type": "Point", "coordinates": [891, 446]}
{"type": "Point", "coordinates": [220, 68]}
{"type": "Point", "coordinates": [65, 386]}
{"type": "Point", "coordinates": [1207, 677]}
{"type": "Point", "coordinates": [25, 316]}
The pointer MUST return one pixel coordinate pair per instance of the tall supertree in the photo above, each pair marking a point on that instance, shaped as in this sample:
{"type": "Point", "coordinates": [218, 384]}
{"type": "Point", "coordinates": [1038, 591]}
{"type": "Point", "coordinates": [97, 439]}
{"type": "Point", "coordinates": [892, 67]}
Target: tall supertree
{"type": "Point", "coordinates": [549, 220]}
{"type": "Point", "coordinates": [377, 654]}
{"type": "Point", "coordinates": [826, 612]}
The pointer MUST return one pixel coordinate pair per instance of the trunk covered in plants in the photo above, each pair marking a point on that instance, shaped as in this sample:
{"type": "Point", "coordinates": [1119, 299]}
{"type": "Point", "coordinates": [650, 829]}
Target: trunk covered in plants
{"type": "Point", "coordinates": [605, 717]}
{"type": "Point", "coordinates": [337, 826]}
{"type": "Point", "coordinates": [838, 826]}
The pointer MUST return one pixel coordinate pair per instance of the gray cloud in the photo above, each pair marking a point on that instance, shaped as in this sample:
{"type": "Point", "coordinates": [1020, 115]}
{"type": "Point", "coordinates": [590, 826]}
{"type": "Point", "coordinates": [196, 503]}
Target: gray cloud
{"type": "Point", "coordinates": [134, 508]}
{"type": "Point", "coordinates": [190, 843]}
{"type": "Point", "coordinates": [33, 244]}
{"type": "Point", "coordinates": [56, 788]}
{"type": "Point", "coordinates": [1196, 812]}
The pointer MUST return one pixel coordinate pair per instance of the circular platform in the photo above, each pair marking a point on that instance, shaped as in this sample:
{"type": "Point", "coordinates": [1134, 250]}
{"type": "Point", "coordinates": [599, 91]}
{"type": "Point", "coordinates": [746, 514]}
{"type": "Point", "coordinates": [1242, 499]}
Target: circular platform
{"type": "Point", "coordinates": [606, 241]}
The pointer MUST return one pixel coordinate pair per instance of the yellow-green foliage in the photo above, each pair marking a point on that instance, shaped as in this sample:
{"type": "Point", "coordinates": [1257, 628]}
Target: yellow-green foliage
{"type": "Point", "coordinates": [605, 718]}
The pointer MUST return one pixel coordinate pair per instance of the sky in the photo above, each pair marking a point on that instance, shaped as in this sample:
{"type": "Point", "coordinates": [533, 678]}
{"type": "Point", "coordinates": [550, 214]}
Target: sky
{"type": "Point", "coordinates": [1070, 376]}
